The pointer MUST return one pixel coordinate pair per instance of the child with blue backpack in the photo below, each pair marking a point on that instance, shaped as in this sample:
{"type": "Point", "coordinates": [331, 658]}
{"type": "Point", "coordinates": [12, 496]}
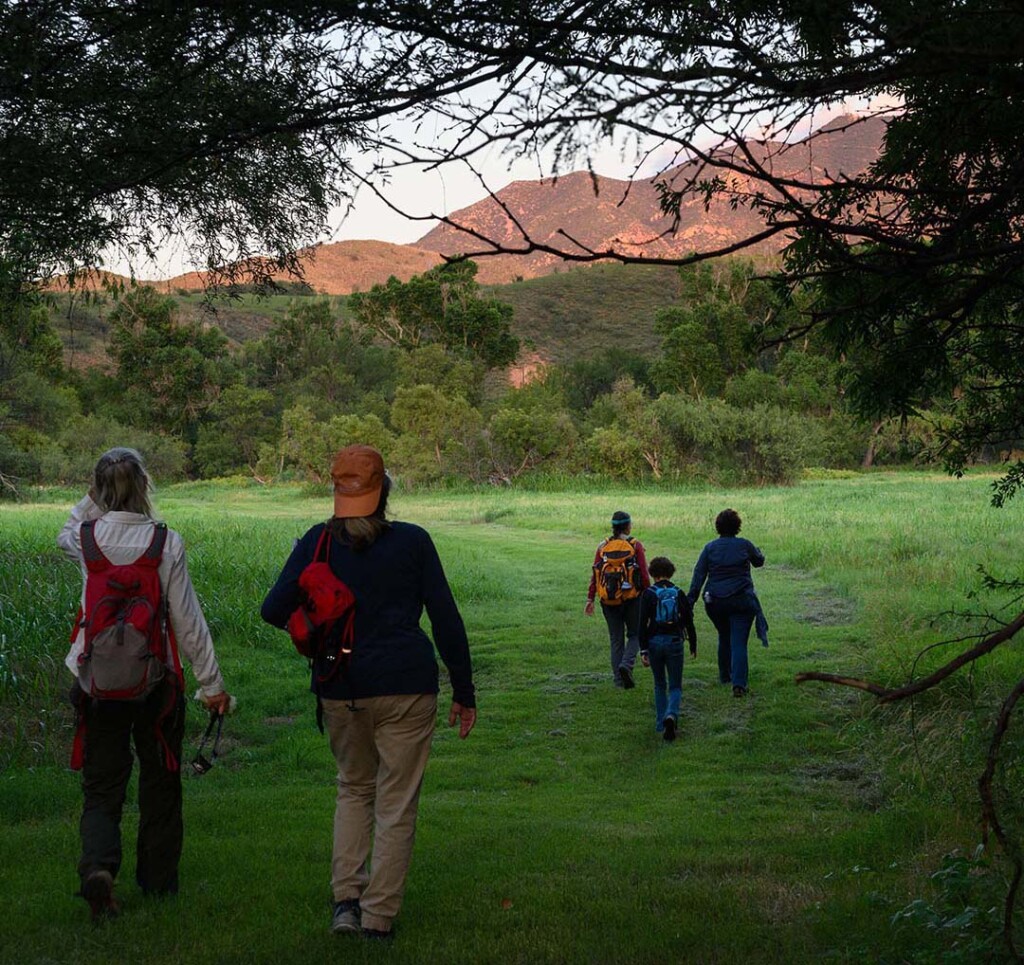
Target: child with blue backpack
{"type": "Point", "coordinates": [665, 616]}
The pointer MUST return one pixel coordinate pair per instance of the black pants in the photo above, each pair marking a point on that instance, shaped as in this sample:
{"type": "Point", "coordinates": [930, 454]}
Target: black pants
{"type": "Point", "coordinates": [111, 727]}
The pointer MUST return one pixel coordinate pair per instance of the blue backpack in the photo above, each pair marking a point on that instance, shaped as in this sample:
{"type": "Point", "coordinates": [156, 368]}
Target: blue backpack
{"type": "Point", "coordinates": [667, 613]}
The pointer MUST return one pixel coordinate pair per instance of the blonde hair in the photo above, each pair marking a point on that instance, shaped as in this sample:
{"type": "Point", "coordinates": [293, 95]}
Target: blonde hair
{"type": "Point", "coordinates": [361, 532]}
{"type": "Point", "coordinates": [121, 483]}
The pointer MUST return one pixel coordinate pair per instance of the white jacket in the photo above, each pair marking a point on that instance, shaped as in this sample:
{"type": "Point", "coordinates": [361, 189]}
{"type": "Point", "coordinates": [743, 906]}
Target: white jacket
{"type": "Point", "coordinates": [124, 537]}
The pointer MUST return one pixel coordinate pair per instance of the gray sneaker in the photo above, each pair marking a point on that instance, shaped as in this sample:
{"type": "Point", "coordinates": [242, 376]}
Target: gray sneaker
{"type": "Point", "coordinates": [346, 916]}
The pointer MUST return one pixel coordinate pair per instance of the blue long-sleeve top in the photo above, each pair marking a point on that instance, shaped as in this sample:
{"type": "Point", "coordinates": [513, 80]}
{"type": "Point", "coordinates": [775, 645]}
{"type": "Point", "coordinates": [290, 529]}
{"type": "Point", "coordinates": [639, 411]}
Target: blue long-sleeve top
{"type": "Point", "coordinates": [724, 564]}
{"type": "Point", "coordinates": [392, 580]}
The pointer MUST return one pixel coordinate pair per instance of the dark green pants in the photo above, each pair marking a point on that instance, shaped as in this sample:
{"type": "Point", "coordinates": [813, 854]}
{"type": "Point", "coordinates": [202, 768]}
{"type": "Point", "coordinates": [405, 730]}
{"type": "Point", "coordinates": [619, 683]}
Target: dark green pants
{"type": "Point", "coordinates": [112, 727]}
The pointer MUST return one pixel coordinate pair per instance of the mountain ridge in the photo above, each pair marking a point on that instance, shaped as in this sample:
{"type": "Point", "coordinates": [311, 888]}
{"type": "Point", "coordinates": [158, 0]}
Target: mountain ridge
{"type": "Point", "coordinates": [584, 212]}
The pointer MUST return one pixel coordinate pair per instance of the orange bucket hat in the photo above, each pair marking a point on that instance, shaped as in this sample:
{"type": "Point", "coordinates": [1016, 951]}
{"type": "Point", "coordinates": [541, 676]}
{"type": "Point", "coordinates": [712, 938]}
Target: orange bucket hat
{"type": "Point", "coordinates": [358, 474]}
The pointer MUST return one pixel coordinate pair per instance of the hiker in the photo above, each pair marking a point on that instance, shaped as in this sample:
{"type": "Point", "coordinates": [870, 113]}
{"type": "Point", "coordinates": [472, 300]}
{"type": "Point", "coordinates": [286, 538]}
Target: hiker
{"type": "Point", "coordinates": [113, 535]}
{"type": "Point", "coordinates": [618, 577]}
{"type": "Point", "coordinates": [379, 703]}
{"type": "Point", "coordinates": [723, 572]}
{"type": "Point", "coordinates": [665, 616]}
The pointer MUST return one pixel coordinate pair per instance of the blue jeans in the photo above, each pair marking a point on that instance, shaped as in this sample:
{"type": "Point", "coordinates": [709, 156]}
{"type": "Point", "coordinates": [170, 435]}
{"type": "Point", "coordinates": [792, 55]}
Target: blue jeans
{"type": "Point", "coordinates": [733, 616]}
{"type": "Point", "coordinates": [666, 656]}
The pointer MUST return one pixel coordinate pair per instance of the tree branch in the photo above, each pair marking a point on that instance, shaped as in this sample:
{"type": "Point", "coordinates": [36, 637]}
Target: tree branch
{"type": "Point", "coordinates": [990, 818]}
{"type": "Point", "coordinates": [887, 695]}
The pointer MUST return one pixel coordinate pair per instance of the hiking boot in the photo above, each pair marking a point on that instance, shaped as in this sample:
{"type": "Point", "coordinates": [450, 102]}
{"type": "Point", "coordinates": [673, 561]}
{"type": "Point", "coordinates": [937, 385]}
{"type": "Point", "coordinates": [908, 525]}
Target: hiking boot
{"type": "Point", "coordinates": [98, 891]}
{"type": "Point", "coordinates": [375, 935]}
{"type": "Point", "coordinates": [346, 916]}
{"type": "Point", "coordinates": [670, 729]}
{"type": "Point", "coordinates": [739, 691]}
{"type": "Point", "coordinates": [626, 675]}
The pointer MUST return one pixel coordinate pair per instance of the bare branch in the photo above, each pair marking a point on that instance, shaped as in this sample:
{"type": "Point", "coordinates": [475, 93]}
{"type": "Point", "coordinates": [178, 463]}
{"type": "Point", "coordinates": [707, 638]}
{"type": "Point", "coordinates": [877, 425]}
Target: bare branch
{"type": "Point", "coordinates": [888, 695]}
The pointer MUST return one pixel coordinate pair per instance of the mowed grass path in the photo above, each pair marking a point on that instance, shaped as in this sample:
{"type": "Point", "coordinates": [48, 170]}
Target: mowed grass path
{"type": "Point", "coordinates": [774, 830]}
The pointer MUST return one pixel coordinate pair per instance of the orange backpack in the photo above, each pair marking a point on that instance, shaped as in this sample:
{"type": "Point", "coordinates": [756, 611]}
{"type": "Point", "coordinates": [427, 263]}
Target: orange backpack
{"type": "Point", "coordinates": [617, 572]}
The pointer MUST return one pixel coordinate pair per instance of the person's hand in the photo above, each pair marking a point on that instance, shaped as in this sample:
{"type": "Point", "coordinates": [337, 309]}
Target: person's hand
{"type": "Point", "coordinates": [588, 610]}
{"type": "Point", "coordinates": [693, 653]}
{"type": "Point", "coordinates": [466, 716]}
{"type": "Point", "coordinates": [218, 703]}
{"type": "Point", "coordinates": [645, 658]}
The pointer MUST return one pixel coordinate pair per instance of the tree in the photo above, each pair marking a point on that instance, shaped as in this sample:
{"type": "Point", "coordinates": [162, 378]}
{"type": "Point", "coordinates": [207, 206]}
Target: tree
{"type": "Point", "coordinates": [438, 435]}
{"type": "Point", "coordinates": [137, 94]}
{"type": "Point", "coordinates": [642, 439]}
{"type": "Point", "coordinates": [310, 354]}
{"type": "Point", "coordinates": [525, 437]}
{"type": "Point", "coordinates": [308, 442]}
{"type": "Point", "coordinates": [242, 421]}
{"type": "Point", "coordinates": [171, 370]}
{"type": "Point", "coordinates": [442, 306]}
{"type": "Point", "coordinates": [225, 126]}
{"type": "Point", "coordinates": [34, 401]}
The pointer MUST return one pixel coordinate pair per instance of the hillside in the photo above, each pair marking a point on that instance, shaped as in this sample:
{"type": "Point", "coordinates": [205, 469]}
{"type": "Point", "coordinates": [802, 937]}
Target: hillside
{"type": "Point", "coordinates": [601, 214]}
{"type": "Point", "coordinates": [604, 214]}
{"type": "Point", "coordinates": [579, 311]}
{"type": "Point", "coordinates": [574, 313]}
{"type": "Point", "coordinates": [339, 268]}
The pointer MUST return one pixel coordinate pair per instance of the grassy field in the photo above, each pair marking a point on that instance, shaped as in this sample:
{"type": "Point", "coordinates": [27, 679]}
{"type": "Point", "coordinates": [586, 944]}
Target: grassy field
{"type": "Point", "coordinates": [799, 825]}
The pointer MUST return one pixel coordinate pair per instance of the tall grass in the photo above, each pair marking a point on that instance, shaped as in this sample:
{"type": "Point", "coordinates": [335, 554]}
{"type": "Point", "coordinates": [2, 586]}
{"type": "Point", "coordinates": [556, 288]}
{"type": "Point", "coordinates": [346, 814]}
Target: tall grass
{"type": "Point", "coordinates": [800, 825]}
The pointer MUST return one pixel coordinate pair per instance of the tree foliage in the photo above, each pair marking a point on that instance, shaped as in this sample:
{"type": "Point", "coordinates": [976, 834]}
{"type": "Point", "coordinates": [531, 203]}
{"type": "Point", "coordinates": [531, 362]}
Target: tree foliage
{"type": "Point", "coordinates": [169, 370]}
{"type": "Point", "coordinates": [442, 306]}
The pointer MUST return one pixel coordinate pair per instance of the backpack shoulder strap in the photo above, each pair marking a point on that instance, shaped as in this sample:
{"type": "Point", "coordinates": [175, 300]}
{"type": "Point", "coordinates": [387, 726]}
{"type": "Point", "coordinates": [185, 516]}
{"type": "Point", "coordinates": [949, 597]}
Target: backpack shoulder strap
{"type": "Point", "coordinates": [323, 547]}
{"type": "Point", "coordinates": [91, 552]}
{"type": "Point", "coordinates": [155, 551]}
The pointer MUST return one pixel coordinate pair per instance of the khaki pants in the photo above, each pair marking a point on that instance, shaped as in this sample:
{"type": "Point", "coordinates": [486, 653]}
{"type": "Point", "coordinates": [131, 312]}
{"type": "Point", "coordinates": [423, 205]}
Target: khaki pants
{"type": "Point", "coordinates": [381, 749]}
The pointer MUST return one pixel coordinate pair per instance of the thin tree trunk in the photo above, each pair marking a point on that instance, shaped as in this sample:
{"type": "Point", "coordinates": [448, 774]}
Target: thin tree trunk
{"type": "Point", "coordinates": [869, 456]}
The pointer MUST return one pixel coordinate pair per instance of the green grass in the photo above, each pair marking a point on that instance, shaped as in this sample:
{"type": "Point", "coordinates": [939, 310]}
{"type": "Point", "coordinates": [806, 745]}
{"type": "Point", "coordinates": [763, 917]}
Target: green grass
{"type": "Point", "coordinates": [787, 828]}
{"type": "Point", "coordinates": [579, 312]}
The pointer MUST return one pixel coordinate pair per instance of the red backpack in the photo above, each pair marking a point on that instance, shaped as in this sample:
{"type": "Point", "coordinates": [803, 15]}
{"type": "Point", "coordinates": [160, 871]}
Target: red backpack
{"type": "Point", "coordinates": [327, 601]}
{"type": "Point", "coordinates": [127, 639]}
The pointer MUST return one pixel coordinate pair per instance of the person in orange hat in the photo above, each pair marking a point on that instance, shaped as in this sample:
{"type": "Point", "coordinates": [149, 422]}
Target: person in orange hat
{"type": "Point", "coordinates": [380, 709]}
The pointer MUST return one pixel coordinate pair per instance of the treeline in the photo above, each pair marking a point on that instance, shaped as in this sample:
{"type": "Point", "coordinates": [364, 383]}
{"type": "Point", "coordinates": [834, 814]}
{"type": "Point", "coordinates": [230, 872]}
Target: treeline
{"type": "Point", "coordinates": [419, 371]}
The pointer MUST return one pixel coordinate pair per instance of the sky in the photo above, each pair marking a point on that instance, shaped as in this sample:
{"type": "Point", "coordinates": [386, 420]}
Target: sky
{"type": "Point", "coordinates": [421, 193]}
{"type": "Point", "coordinates": [426, 194]}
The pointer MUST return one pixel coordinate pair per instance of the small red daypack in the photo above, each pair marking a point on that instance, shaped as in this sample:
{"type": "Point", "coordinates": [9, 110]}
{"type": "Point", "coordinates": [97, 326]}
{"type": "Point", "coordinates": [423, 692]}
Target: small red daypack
{"type": "Point", "coordinates": [127, 644]}
{"type": "Point", "coordinates": [327, 601]}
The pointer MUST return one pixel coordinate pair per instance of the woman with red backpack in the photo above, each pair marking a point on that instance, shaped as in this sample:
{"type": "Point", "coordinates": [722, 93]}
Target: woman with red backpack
{"type": "Point", "coordinates": [139, 612]}
{"type": "Point", "coordinates": [375, 677]}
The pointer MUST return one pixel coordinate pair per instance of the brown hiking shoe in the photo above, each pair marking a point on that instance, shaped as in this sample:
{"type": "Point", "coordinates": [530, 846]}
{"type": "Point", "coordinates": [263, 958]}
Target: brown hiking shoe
{"type": "Point", "coordinates": [98, 890]}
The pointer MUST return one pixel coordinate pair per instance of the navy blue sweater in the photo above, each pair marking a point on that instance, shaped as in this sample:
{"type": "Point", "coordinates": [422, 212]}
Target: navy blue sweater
{"type": "Point", "coordinates": [392, 581]}
{"type": "Point", "coordinates": [725, 564]}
